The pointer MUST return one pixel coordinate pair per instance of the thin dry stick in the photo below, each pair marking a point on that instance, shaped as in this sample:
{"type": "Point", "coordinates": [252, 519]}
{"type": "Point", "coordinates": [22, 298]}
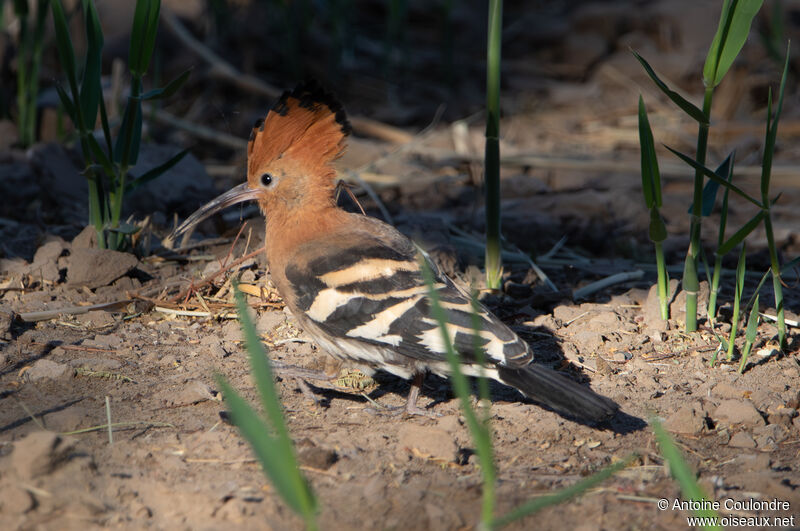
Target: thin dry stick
{"type": "Point", "coordinates": [211, 279]}
{"type": "Point", "coordinates": [618, 278]}
{"type": "Point", "coordinates": [31, 317]}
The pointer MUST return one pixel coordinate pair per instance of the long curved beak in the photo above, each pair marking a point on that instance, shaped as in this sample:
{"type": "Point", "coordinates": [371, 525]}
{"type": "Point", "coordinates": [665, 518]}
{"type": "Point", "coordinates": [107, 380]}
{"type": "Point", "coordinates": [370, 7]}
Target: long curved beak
{"type": "Point", "coordinates": [237, 194]}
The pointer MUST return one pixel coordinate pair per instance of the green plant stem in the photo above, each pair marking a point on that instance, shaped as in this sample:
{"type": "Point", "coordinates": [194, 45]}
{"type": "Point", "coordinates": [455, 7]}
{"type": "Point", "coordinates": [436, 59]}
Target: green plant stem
{"type": "Point", "coordinates": [493, 264]}
{"type": "Point", "coordinates": [690, 282]}
{"type": "Point", "coordinates": [737, 301]}
{"type": "Point", "coordinates": [663, 281]}
{"type": "Point", "coordinates": [714, 292]}
{"type": "Point", "coordinates": [776, 279]}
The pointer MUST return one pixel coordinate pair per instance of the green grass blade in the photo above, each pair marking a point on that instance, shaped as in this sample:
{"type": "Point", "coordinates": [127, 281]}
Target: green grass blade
{"type": "Point", "coordinates": [562, 495]}
{"type": "Point", "coordinates": [155, 172]}
{"type": "Point", "coordinates": [480, 432]}
{"type": "Point", "coordinates": [66, 55]}
{"type": "Point", "coordinates": [480, 355]}
{"type": "Point", "coordinates": [493, 259]}
{"type": "Point", "coordinates": [262, 371]}
{"type": "Point", "coordinates": [168, 90]}
{"type": "Point", "coordinates": [688, 107]}
{"type": "Point", "coordinates": [91, 89]}
{"type": "Point", "coordinates": [741, 269]}
{"type": "Point", "coordinates": [742, 233]}
{"type": "Point", "coordinates": [715, 177]}
{"type": "Point", "coordinates": [106, 129]}
{"type": "Point", "coordinates": [651, 177]}
{"type": "Point", "coordinates": [143, 36]}
{"type": "Point", "coordinates": [680, 470]}
{"type": "Point", "coordinates": [750, 334]}
{"type": "Point", "coordinates": [275, 465]}
{"type": "Point", "coordinates": [126, 146]}
{"type": "Point", "coordinates": [100, 155]}
{"type": "Point", "coordinates": [712, 187]}
{"type": "Point", "coordinates": [69, 108]}
{"type": "Point", "coordinates": [275, 452]}
{"type": "Point", "coordinates": [734, 27]}
{"type": "Point", "coordinates": [772, 130]}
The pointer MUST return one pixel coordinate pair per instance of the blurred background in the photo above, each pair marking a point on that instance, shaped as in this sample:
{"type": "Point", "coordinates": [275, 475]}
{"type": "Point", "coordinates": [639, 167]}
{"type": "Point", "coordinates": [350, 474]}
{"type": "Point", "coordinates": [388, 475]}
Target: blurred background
{"type": "Point", "coordinates": [411, 75]}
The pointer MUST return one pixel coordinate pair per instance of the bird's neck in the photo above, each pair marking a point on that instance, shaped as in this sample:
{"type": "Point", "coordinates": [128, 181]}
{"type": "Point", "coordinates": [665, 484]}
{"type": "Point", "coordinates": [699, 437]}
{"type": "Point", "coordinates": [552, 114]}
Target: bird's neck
{"type": "Point", "coordinates": [288, 228]}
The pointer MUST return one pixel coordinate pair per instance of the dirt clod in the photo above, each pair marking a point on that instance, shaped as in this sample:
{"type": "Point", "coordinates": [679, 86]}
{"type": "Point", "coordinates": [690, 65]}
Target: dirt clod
{"type": "Point", "coordinates": [688, 419]}
{"type": "Point", "coordinates": [742, 439]}
{"type": "Point", "coordinates": [734, 411]}
{"type": "Point", "coordinates": [45, 368]}
{"type": "Point", "coordinates": [98, 267]}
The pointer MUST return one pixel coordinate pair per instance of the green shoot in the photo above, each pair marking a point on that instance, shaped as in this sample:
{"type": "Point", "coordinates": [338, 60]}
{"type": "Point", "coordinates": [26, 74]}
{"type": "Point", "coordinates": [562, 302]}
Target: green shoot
{"type": "Point", "coordinates": [268, 435]}
{"type": "Point", "coordinates": [750, 334]}
{"type": "Point", "coordinates": [737, 297]}
{"type": "Point", "coordinates": [29, 60]}
{"type": "Point", "coordinates": [681, 471]}
{"type": "Point", "coordinates": [565, 494]}
{"type": "Point", "coordinates": [107, 166]}
{"type": "Point", "coordinates": [651, 187]}
{"type": "Point", "coordinates": [734, 26]}
{"type": "Point", "coordinates": [766, 172]}
{"type": "Point", "coordinates": [725, 168]}
{"type": "Point", "coordinates": [494, 266]}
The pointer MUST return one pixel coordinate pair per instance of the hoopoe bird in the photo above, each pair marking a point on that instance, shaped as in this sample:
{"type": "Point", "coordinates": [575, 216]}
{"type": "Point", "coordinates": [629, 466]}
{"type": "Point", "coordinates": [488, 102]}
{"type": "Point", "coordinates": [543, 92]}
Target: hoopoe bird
{"type": "Point", "coordinates": [355, 283]}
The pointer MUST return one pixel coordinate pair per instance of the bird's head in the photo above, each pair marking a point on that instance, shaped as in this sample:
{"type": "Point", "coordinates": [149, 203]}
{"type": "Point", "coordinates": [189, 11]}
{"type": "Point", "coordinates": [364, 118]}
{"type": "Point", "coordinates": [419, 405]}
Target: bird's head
{"type": "Point", "coordinates": [289, 157]}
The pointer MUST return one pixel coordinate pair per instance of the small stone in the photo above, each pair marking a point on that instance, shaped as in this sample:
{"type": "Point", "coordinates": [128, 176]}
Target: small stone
{"type": "Point", "coordinates": [86, 239]}
{"type": "Point", "coordinates": [687, 419]}
{"type": "Point", "coordinates": [604, 321]}
{"type": "Point", "coordinates": [309, 454]}
{"type": "Point", "coordinates": [98, 267]}
{"type": "Point", "coordinates": [50, 251]}
{"type": "Point", "coordinates": [44, 368]}
{"type": "Point", "coordinates": [739, 412]}
{"type": "Point", "coordinates": [192, 392]}
{"type": "Point", "coordinates": [742, 439]}
{"type": "Point", "coordinates": [423, 441]}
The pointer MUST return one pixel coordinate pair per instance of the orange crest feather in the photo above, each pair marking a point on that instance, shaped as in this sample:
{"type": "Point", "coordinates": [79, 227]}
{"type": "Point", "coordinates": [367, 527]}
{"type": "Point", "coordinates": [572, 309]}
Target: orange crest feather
{"type": "Point", "coordinates": [308, 125]}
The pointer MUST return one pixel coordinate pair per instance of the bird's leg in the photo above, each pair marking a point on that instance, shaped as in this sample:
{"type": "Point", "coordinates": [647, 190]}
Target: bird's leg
{"type": "Point", "coordinates": [413, 393]}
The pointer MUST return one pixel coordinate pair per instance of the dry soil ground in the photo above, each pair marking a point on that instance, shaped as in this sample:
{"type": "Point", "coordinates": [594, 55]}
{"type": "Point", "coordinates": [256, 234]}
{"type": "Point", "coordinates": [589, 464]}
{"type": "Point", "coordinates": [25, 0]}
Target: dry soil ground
{"type": "Point", "coordinates": [176, 463]}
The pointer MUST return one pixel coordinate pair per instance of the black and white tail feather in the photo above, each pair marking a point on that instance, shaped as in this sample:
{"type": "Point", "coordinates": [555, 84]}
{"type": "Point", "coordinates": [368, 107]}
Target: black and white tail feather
{"type": "Point", "coordinates": [362, 296]}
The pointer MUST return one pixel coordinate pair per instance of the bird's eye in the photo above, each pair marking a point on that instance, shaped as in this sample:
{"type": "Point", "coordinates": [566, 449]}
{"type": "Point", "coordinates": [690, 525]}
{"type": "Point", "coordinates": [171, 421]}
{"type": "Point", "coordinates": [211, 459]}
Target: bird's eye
{"type": "Point", "coordinates": [266, 180]}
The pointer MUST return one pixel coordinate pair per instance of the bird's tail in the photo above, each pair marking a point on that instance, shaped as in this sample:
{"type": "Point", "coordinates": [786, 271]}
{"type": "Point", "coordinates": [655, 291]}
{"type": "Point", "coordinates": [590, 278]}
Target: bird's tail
{"type": "Point", "coordinates": [558, 392]}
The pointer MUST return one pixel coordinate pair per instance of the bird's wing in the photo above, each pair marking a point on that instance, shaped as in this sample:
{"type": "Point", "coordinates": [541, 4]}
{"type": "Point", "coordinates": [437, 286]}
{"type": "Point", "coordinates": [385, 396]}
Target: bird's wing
{"type": "Point", "coordinates": [369, 288]}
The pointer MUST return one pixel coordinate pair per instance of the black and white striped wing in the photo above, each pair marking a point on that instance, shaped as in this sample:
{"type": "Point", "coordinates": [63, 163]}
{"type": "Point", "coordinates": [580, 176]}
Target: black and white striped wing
{"type": "Point", "coordinates": [375, 293]}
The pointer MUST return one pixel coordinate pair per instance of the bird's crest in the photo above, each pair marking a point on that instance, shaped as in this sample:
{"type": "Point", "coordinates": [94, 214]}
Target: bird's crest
{"type": "Point", "coordinates": [307, 124]}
